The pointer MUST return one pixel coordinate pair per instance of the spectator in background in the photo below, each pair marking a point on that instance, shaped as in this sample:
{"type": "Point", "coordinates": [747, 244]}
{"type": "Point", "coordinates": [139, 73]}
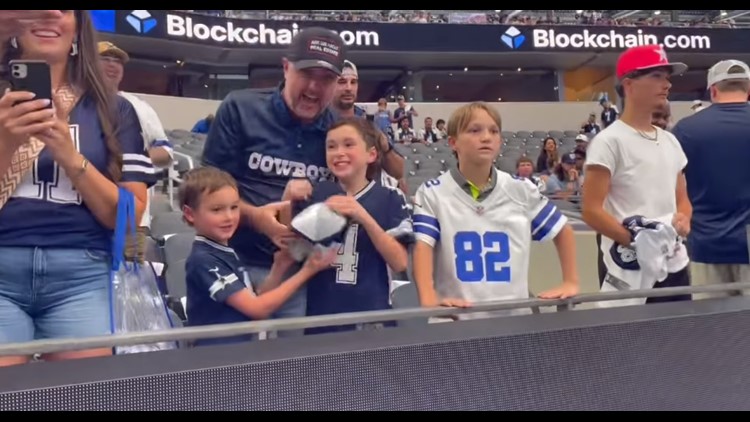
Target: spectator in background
{"type": "Point", "coordinates": [405, 134]}
{"type": "Point", "coordinates": [203, 126]}
{"type": "Point", "coordinates": [345, 95]}
{"type": "Point", "coordinates": [609, 113]}
{"type": "Point", "coordinates": [343, 105]}
{"type": "Point", "coordinates": [383, 119]}
{"type": "Point", "coordinates": [404, 110]}
{"type": "Point", "coordinates": [428, 134]}
{"type": "Point", "coordinates": [580, 156]}
{"type": "Point", "coordinates": [58, 206]}
{"type": "Point", "coordinates": [590, 126]}
{"type": "Point", "coordinates": [113, 60]}
{"type": "Point", "coordinates": [716, 142]}
{"type": "Point", "coordinates": [442, 133]}
{"type": "Point", "coordinates": [582, 142]}
{"type": "Point", "coordinates": [264, 141]}
{"type": "Point", "coordinates": [548, 158]}
{"type": "Point", "coordinates": [525, 169]}
{"type": "Point", "coordinates": [564, 180]}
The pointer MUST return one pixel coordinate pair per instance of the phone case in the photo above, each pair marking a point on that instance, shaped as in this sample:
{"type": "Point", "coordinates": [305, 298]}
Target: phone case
{"type": "Point", "coordinates": [32, 76]}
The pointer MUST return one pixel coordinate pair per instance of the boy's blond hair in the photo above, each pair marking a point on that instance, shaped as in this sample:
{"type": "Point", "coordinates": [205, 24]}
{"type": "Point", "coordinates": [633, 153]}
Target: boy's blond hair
{"type": "Point", "coordinates": [203, 181]}
{"type": "Point", "coordinates": [461, 117]}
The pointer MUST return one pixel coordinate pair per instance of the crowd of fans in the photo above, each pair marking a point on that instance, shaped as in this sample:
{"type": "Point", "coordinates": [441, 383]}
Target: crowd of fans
{"type": "Point", "coordinates": [530, 17]}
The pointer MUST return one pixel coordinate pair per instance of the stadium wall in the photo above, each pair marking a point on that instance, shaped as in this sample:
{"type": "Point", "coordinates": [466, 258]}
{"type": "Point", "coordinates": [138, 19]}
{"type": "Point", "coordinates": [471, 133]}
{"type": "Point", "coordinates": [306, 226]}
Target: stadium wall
{"type": "Point", "coordinates": [182, 113]}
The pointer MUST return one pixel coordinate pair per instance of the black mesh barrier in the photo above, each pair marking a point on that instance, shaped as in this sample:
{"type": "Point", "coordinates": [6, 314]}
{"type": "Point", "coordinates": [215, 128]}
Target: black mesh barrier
{"type": "Point", "coordinates": [687, 362]}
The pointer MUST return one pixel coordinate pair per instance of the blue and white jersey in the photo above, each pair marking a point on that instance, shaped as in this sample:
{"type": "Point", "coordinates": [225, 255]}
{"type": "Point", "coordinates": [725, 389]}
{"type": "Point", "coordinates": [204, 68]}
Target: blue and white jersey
{"type": "Point", "coordinates": [482, 248]}
{"type": "Point", "coordinates": [255, 139]}
{"type": "Point", "coordinates": [214, 274]}
{"type": "Point", "coordinates": [46, 210]}
{"type": "Point", "coordinates": [359, 279]}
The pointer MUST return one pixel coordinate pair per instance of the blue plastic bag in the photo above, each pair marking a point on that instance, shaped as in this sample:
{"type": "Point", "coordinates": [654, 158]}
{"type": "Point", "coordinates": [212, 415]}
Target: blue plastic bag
{"type": "Point", "coordinates": [137, 304]}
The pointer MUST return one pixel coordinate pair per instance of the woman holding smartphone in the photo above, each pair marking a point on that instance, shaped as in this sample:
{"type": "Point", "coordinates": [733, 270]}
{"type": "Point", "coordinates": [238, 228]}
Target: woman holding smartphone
{"type": "Point", "coordinates": [61, 168]}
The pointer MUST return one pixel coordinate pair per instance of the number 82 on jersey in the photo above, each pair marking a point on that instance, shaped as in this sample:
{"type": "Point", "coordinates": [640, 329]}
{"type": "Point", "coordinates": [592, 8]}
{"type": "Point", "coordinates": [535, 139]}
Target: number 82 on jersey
{"type": "Point", "coordinates": [482, 257]}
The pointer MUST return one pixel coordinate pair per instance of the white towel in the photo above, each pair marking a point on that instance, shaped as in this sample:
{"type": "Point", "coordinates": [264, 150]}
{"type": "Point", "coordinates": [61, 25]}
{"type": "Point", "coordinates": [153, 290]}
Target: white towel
{"type": "Point", "coordinates": [659, 252]}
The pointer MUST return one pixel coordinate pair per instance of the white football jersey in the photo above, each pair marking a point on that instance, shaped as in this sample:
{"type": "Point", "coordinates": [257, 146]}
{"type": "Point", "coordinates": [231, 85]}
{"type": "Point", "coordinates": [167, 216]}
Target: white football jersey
{"type": "Point", "coordinates": [481, 249]}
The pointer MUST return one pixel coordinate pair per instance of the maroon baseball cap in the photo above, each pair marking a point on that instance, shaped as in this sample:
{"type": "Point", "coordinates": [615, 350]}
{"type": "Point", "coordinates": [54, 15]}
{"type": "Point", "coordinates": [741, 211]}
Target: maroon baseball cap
{"type": "Point", "coordinates": [645, 57]}
{"type": "Point", "coordinates": [317, 47]}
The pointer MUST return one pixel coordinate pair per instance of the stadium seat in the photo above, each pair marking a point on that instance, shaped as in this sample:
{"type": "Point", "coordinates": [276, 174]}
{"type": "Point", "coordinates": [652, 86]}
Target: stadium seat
{"type": "Point", "coordinates": [164, 224]}
{"type": "Point", "coordinates": [153, 252]}
{"type": "Point", "coordinates": [176, 287]}
{"type": "Point", "coordinates": [177, 247]}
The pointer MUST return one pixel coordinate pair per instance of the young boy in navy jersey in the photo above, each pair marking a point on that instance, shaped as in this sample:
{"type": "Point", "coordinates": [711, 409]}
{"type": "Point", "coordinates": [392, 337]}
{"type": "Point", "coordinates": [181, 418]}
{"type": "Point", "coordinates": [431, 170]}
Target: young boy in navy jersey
{"type": "Point", "coordinates": [218, 288]}
{"type": "Point", "coordinates": [374, 241]}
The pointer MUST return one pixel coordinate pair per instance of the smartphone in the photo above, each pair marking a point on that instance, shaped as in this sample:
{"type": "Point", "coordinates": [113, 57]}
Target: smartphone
{"type": "Point", "coordinates": [32, 76]}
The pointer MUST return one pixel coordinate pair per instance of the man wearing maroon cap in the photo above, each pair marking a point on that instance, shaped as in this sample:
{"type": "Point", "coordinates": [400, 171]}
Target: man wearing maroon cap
{"type": "Point", "coordinates": [636, 169]}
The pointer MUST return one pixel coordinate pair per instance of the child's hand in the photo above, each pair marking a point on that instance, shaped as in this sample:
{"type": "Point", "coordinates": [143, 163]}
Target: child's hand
{"type": "Point", "coordinates": [283, 259]}
{"type": "Point", "coordinates": [448, 303]}
{"type": "Point", "coordinates": [321, 259]}
{"type": "Point", "coordinates": [347, 206]}
{"type": "Point", "coordinates": [565, 290]}
{"type": "Point", "coordinates": [298, 190]}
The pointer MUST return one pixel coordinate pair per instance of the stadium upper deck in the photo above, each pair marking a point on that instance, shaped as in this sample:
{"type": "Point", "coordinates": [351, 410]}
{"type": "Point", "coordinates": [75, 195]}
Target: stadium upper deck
{"type": "Point", "coordinates": [693, 18]}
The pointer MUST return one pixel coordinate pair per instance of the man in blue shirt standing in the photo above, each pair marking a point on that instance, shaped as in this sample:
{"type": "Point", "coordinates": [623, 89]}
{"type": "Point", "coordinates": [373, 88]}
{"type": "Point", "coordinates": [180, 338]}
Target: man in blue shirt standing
{"type": "Point", "coordinates": [263, 141]}
{"type": "Point", "coordinates": [343, 106]}
{"type": "Point", "coordinates": [717, 144]}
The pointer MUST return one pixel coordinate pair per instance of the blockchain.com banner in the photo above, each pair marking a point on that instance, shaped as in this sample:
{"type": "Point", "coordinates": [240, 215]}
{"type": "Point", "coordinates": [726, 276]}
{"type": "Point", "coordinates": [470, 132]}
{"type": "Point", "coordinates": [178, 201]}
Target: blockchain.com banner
{"type": "Point", "coordinates": [405, 37]}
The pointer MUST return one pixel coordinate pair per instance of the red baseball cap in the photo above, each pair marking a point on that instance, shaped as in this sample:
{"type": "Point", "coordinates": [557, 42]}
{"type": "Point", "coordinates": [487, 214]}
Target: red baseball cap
{"type": "Point", "coordinates": [646, 57]}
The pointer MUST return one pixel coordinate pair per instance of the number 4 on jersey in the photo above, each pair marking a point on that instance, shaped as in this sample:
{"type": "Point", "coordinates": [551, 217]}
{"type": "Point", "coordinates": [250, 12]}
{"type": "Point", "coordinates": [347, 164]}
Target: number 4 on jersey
{"type": "Point", "coordinates": [484, 257]}
{"type": "Point", "coordinates": [347, 258]}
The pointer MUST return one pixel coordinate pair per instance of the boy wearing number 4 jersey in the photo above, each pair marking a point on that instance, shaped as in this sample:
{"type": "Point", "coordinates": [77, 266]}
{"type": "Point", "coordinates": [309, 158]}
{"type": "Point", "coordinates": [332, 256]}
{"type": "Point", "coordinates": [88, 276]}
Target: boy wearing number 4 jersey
{"type": "Point", "coordinates": [379, 227]}
{"type": "Point", "coordinates": [474, 224]}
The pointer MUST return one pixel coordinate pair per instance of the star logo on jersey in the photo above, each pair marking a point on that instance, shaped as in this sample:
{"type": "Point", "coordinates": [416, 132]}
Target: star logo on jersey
{"type": "Point", "coordinates": [221, 281]}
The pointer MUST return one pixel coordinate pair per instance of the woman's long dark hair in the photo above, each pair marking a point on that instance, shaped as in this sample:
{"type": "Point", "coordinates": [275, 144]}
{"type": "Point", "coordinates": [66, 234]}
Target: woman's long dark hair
{"type": "Point", "coordinates": [546, 162]}
{"type": "Point", "coordinates": [84, 74]}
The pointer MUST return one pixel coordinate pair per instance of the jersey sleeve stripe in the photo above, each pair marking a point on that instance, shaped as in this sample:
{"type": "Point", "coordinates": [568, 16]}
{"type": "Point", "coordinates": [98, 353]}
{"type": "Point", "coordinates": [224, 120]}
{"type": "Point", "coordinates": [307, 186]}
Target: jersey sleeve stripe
{"type": "Point", "coordinates": [138, 168]}
{"type": "Point", "coordinates": [426, 230]}
{"type": "Point", "coordinates": [142, 158]}
{"type": "Point", "coordinates": [427, 221]}
{"type": "Point", "coordinates": [542, 216]}
{"type": "Point", "coordinates": [551, 227]}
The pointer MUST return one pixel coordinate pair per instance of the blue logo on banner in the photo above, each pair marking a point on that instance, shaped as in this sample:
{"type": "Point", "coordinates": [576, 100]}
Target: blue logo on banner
{"type": "Point", "coordinates": [141, 21]}
{"type": "Point", "coordinates": [103, 20]}
{"type": "Point", "coordinates": [513, 38]}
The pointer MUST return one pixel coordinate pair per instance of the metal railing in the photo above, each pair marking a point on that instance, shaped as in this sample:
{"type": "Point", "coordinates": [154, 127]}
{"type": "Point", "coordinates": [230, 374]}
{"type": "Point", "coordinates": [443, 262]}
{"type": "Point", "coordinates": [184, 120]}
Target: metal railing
{"type": "Point", "coordinates": [229, 330]}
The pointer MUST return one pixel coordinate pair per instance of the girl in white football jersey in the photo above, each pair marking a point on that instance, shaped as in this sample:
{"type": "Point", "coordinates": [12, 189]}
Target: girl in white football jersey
{"type": "Point", "coordinates": [474, 224]}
